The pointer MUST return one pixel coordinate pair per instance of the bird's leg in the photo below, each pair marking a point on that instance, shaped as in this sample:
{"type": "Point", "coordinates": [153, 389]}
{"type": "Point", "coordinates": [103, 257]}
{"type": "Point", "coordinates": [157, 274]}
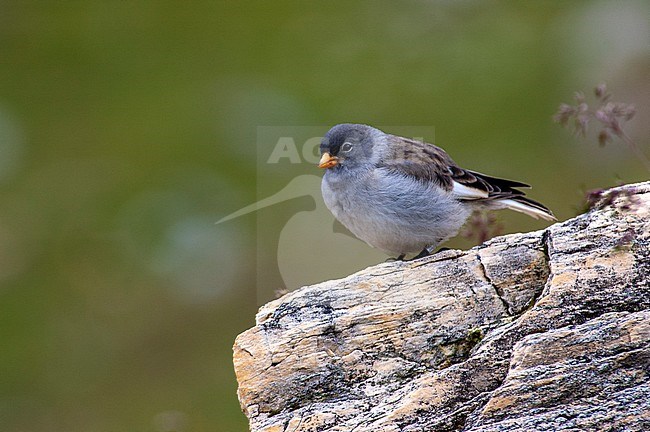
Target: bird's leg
{"type": "Point", "coordinates": [425, 252]}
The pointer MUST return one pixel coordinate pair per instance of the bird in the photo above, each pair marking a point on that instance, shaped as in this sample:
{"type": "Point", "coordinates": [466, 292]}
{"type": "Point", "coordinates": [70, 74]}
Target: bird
{"type": "Point", "coordinates": [404, 196]}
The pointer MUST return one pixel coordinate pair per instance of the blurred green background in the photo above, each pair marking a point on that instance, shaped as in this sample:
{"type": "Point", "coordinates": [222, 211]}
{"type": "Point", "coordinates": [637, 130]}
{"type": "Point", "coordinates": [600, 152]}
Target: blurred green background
{"type": "Point", "coordinates": [127, 129]}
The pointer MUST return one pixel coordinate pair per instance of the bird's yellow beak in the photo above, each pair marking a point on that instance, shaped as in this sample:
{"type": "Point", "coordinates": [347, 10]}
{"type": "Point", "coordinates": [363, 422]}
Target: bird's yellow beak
{"type": "Point", "coordinates": [328, 161]}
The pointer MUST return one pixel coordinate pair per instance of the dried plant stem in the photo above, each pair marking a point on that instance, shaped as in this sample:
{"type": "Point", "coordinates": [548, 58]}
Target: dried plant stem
{"type": "Point", "coordinates": [635, 148]}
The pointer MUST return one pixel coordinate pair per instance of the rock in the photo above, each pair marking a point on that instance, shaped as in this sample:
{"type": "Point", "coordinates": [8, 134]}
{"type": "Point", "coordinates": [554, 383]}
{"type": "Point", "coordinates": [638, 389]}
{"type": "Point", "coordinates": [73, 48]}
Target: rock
{"type": "Point", "coordinates": [547, 330]}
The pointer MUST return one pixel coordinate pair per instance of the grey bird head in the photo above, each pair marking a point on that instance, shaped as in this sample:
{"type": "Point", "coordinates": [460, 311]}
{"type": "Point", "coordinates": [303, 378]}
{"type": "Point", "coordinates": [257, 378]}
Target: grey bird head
{"type": "Point", "coordinates": [348, 146]}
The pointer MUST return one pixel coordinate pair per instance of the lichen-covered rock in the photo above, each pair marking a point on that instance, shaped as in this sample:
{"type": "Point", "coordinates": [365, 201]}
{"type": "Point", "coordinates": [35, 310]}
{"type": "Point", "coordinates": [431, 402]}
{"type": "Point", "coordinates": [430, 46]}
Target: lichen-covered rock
{"type": "Point", "coordinates": [541, 331]}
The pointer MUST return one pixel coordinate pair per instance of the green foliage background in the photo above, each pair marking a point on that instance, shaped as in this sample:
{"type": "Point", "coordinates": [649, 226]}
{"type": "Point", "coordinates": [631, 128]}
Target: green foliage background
{"type": "Point", "coordinates": [128, 128]}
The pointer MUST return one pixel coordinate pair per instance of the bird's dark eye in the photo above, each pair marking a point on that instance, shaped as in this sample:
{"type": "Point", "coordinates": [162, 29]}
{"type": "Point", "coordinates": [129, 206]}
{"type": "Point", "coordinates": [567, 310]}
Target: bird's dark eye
{"type": "Point", "coordinates": [346, 147]}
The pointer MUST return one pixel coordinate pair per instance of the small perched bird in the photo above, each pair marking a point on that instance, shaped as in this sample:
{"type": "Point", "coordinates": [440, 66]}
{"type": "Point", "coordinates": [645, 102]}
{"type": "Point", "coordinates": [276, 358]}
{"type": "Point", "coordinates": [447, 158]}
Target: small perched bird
{"type": "Point", "coordinates": [404, 196]}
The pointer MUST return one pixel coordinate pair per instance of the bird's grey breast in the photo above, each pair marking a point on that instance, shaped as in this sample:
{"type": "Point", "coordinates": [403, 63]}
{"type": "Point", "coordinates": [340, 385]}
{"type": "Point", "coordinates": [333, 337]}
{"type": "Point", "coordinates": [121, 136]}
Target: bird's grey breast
{"type": "Point", "coordinates": [391, 211]}
{"type": "Point", "coordinates": [366, 202]}
{"type": "Point", "coordinates": [339, 190]}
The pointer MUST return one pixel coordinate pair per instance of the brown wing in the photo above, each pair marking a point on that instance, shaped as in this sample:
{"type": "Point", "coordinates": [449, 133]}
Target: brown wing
{"type": "Point", "coordinates": [429, 163]}
{"type": "Point", "coordinates": [419, 160]}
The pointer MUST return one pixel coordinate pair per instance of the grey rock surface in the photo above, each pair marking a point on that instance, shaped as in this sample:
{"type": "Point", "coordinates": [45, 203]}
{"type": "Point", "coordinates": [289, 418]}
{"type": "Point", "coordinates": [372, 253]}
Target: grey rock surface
{"type": "Point", "coordinates": [544, 331]}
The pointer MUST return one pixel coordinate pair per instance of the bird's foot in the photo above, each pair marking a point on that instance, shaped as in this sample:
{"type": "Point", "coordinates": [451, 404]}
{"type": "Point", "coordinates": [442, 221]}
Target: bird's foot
{"type": "Point", "coordinates": [427, 252]}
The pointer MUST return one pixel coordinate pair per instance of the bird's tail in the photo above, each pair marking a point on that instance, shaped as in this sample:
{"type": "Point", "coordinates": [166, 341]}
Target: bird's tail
{"type": "Point", "coordinates": [527, 206]}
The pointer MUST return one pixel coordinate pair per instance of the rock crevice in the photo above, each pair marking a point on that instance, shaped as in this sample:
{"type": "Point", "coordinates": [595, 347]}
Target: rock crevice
{"type": "Point", "coordinates": [548, 330]}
